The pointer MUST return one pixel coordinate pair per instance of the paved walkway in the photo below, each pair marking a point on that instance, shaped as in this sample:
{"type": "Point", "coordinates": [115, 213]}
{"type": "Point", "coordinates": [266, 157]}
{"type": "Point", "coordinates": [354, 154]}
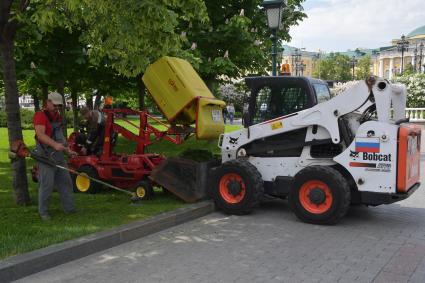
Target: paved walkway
{"type": "Point", "coordinates": [375, 244]}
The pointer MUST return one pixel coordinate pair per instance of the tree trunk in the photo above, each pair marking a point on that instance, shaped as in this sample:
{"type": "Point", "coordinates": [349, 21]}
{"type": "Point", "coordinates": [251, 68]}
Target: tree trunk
{"type": "Point", "coordinates": [61, 90]}
{"type": "Point", "coordinates": [74, 101]}
{"type": "Point", "coordinates": [36, 101]}
{"type": "Point", "coordinates": [141, 90]}
{"type": "Point", "coordinates": [20, 183]}
{"type": "Point", "coordinates": [44, 92]}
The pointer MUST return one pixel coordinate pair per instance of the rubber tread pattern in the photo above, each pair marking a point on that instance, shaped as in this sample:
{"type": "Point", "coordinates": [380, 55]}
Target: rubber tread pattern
{"type": "Point", "coordinates": [253, 182]}
{"type": "Point", "coordinates": [326, 172]}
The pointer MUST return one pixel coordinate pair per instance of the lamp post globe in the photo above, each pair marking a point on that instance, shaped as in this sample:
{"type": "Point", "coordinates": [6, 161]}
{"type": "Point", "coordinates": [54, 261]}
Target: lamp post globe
{"type": "Point", "coordinates": [273, 10]}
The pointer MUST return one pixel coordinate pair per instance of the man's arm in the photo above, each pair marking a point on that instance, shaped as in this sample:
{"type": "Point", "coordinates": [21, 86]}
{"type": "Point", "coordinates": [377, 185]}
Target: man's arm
{"type": "Point", "coordinates": [40, 132]}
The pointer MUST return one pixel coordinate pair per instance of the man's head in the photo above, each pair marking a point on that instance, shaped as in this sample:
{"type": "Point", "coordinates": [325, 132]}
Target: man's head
{"type": "Point", "coordinates": [54, 101]}
{"type": "Point", "coordinates": [85, 113]}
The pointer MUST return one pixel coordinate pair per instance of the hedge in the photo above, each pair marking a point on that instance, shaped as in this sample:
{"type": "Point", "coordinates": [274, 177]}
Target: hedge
{"type": "Point", "coordinates": [26, 118]}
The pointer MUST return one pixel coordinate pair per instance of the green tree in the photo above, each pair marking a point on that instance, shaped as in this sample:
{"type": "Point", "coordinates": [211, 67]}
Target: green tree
{"type": "Point", "coordinates": [335, 67]}
{"type": "Point", "coordinates": [236, 41]}
{"type": "Point", "coordinates": [363, 67]}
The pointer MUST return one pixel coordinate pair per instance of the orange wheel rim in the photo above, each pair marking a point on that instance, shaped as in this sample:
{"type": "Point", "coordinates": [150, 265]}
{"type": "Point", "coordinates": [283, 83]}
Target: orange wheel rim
{"type": "Point", "coordinates": [316, 197]}
{"type": "Point", "coordinates": [232, 188]}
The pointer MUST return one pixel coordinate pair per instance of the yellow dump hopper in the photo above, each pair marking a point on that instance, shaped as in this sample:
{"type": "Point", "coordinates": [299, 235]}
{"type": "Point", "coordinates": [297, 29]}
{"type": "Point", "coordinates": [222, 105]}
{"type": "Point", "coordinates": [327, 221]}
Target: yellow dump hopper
{"type": "Point", "coordinates": [183, 97]}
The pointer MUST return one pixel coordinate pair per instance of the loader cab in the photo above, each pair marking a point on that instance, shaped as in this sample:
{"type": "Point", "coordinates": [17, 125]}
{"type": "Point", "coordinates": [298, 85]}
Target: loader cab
{"type": "Point", "coordinates": [273, 97]}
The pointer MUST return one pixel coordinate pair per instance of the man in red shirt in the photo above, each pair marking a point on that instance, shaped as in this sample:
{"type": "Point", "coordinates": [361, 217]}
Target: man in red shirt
{"type": "Point", "coordinates": [51, 143]}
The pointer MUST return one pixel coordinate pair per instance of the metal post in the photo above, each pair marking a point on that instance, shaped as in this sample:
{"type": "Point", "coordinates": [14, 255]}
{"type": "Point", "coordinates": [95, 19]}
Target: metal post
{"type": "Point", "coordinates": [402, 61]}
{"type": "Point", "coordinates": [421, 47]}
{"type": "Point", "coordinates": [402, 45]}
{"type": "Point", "coordinates": [274, 52]}
{"type": "Point", "coordinates": [415, 61]}
{"type": "Point", "coordinates": [353, 64]}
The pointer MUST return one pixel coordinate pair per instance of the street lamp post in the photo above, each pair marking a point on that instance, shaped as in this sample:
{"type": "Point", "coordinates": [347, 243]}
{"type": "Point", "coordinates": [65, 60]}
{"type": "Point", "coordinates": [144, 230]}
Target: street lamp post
{"type": "Point", "coordinates": [402, 45]}
{"type": "Point", "coordinates": [353, 62]}
{"type": "Point", "coordinates": [301, 67]}
{"type": "Point", "coordinates": [415, 58]}
{"type": "Point", "coordinates": [421, 48]}
{"type": "Point", "coordinates": [296, 58]}
{"type": "Point", "coordinates": [317, 61]}
{"type": "Point", "coordinates": [274, 18]}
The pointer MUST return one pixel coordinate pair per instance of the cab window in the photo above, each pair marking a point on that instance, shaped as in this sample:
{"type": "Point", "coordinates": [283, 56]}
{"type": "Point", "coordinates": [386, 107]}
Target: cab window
{"type": "Point", "coordinates": [322, 92]}
{"type": "Point", "coordinates": [279, 101]}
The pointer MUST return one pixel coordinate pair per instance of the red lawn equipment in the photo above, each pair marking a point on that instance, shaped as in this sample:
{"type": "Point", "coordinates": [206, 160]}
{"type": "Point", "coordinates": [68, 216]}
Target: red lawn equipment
{"type": "Point", "coordinates": [126, 171]}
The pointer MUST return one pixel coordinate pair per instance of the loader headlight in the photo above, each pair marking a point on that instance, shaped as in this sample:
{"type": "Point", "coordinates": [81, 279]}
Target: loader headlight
{"type": "Point", "coordinates": [241, 152]}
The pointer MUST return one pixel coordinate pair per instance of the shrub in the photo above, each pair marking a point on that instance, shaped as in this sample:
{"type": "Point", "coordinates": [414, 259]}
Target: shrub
{"type": "Point", "coordinates": [415, 84]}
{"type": "Point", "coordinates": [26, 119]}
{"type": "Point", "coordinates": [339, 88]}
{"type": "Point", "coordinates": [235, 93]}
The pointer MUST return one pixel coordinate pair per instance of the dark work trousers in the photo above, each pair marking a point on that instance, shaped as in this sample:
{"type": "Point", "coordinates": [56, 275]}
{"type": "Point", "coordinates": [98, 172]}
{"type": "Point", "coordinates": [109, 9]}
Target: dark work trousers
{"type": "Point", "coordinates": [50, 177]}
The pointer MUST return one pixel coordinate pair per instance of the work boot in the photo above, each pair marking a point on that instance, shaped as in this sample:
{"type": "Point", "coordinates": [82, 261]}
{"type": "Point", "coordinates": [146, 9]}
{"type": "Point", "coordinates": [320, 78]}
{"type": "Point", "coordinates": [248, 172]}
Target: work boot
{"type": "Point", "coordinates": [45, 217]}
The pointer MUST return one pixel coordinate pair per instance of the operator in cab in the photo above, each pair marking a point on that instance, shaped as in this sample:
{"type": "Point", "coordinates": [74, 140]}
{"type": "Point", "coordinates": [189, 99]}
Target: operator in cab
{"type": "Point", "coordinates": [95, 131]}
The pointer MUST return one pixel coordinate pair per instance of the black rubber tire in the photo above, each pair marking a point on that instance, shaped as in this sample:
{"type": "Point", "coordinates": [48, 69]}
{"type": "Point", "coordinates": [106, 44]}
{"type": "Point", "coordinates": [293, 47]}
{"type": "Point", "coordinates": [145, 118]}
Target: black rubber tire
{"type": "Point", "coordinates": [148, 190]}
{"type": "Point", "coordinates": [339, 189]}
{"type": "Point", "coordinates": [91, 172]}
{"type": "Point", "coordinates": [253, 187]}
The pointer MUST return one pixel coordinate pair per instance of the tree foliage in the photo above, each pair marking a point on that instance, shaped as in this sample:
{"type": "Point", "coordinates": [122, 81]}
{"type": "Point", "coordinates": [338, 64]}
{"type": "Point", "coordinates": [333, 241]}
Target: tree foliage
{"type": "Point", "coordinates": [335, 67]}
{"type": "Point", "coordinates": [129, 35]}
{"type": "Point", "coordinates": [235, 42]}
{"type": "Point", "coordinates": [363, 69]}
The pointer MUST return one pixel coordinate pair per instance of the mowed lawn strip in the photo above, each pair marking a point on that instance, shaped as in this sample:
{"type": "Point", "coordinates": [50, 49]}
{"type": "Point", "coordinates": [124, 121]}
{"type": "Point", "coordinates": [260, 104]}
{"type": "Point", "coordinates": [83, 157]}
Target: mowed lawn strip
{"type": "Point", "coordinates": [22, 230]}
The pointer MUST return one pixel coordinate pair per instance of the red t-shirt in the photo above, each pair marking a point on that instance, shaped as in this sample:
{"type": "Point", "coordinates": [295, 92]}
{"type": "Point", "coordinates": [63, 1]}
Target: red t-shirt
{"type": "Point", "coordinates": [40, 118]}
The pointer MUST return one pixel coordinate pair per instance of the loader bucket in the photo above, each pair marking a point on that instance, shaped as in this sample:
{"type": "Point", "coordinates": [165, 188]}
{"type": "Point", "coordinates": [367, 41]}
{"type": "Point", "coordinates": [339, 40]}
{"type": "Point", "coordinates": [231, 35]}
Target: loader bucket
{"type": "Point", "coordinates": [185, 178]}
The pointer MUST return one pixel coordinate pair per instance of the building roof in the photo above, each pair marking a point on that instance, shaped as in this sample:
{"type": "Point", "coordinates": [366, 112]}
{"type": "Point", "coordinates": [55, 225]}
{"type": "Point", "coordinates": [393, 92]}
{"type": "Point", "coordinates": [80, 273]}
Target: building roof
{"type": "Point", "coordinates": [358, 53]}
{"type": "Point", "coordinates": [289, 50]}
{"type": "Point", "coordinates": [417, 33]}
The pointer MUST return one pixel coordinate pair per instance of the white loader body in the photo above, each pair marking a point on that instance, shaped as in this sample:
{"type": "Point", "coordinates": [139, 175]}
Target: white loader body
{"type": "Point", "coordinates": [374, 158]}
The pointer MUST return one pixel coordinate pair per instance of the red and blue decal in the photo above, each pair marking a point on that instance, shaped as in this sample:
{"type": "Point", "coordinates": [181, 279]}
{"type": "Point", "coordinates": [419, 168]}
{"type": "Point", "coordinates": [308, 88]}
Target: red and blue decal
{"type": "Point", "coordinates": [367, 145]}
{"type": "Point", "coordinates": [362, 164]}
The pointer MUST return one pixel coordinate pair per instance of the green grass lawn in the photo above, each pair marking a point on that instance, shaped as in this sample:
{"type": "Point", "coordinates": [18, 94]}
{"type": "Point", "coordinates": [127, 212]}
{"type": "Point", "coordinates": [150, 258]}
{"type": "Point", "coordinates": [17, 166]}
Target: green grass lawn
{"type": "Point", "coordinates": [22, 230]}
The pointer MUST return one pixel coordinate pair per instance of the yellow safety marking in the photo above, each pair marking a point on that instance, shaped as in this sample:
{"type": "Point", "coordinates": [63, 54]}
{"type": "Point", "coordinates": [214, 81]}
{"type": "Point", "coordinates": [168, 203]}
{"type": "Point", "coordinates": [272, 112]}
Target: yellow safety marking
{"type": "Point", "coordinates": [277, 125]}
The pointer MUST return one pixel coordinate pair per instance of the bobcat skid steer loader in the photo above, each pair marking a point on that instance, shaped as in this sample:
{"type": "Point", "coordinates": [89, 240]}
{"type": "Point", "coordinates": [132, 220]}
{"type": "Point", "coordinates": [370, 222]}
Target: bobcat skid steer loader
{"type": "Point", "coordinates": [320, 153]}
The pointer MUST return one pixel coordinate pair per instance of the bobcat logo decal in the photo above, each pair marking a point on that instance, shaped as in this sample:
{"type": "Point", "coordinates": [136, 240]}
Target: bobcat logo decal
{"type": "Point", "coordinates": [354, 154]}
{"type": "Point", "coordinates": [233, 140]}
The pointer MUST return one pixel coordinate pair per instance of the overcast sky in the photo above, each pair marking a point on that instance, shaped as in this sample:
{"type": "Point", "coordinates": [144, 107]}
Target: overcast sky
{"type": "Point", "coordinates": [339, 25]}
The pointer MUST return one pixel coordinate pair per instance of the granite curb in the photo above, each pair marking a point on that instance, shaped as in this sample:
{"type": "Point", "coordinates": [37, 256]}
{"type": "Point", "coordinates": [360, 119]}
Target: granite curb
{"type": "Point", "coordinates": [20, 266]}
